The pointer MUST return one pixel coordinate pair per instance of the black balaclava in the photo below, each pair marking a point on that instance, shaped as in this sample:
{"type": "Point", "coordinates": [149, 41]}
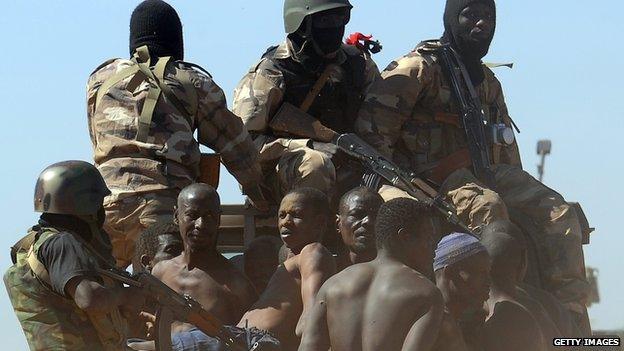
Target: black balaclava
{"type": "Point", "coordinates": [313, 44]}
{"type": "Point", "coordinates": [156, 24]}
{"type": "Point", "coordinates": [470, 52]}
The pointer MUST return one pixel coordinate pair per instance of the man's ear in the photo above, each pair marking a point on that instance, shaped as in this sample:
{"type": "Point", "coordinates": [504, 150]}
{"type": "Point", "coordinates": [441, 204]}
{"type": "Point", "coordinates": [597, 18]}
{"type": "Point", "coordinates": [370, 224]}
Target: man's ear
{"type": "Point", "coordinates": [175, 215]}
{"type": "Point", "coordinates": [146, 261]}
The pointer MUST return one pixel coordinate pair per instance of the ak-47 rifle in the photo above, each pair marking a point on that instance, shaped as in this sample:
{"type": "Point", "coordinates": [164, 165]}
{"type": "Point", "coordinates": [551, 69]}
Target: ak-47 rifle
{"type": "Point", "coordinates": [293, 122]}
{"type": "Point", "coordinates": [173, 307]}
{"type": "Point", "coordinates": [473, 119]}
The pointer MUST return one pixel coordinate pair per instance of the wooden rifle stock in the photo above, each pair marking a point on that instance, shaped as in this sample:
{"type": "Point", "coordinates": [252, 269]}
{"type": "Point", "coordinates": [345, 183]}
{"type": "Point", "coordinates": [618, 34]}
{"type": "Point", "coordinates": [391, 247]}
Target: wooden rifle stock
{"type": "Point", "coordinates": [292, 122]}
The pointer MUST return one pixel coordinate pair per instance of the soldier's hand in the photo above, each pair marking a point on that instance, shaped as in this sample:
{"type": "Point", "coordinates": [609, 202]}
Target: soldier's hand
{"type": "Point", "coordinates": [331, 150]}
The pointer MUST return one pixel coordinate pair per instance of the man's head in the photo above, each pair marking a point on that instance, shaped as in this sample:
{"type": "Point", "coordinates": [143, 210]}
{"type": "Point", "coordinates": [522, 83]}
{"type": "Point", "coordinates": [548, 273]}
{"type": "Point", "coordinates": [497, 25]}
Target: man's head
{"type": "Point", "coordinates": [462, 270]}
{"type": "Point", "coordinates": [507, 227]}
{"type": "Point", "coordinates": [469, 25]}
{"type": "Point", "coordinates": [156, 24]}
{"type": "Point", "coordinates": [507, 256]}
{"type": "Point", "coordinates": [317, 24]}
{"type": "Point", "coordinates": [261, 260]}
{"type": "Point", "coordinates": [405, 229]}
{"type": "Point", "coordinates": [302, 217]}
{"type": "Point", "coordinates": [73, 189]}
{"type": "Point", "coordinates": [357, 214]}
{"type": "Point", "coordinates": [198, 215]}
{"type": "Point", "coordinates": [159, 242]}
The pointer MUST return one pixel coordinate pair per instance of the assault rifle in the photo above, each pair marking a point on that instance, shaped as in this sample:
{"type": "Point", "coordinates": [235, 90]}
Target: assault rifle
{"type": "Point", "coordinates": [473, 120]}
{"type": "Point", "coordinates": [293, 122]}
{"type": "Point", "coordinates": [174, 307]}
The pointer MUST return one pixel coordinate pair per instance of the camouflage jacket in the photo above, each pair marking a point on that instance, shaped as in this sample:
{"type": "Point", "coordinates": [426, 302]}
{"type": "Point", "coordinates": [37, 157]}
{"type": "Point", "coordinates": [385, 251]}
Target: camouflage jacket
{"type": "Point", "coordinates": [411, 116]}
{"type": "Point", "coordinates": [279, 77]}
{"type": "Point", "coordinates": [169, 159]}
{"type": "Point", "coordinates": [51, 321]}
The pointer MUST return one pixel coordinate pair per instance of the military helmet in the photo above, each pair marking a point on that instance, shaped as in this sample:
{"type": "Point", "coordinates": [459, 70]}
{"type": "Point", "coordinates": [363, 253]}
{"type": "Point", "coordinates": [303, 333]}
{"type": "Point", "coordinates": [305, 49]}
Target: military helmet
{"type": "Point", "coordinates": [70, 187]}
{"type": "Point", "coordinates": [296, 10]}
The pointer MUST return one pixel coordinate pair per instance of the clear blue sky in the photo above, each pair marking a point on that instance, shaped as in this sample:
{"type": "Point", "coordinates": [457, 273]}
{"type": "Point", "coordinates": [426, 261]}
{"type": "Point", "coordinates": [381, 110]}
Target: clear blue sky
{"type": "Point", "coordinates": [565, 86]}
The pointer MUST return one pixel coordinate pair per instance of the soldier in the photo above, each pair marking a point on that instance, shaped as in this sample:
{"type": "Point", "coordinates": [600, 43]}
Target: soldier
{"type": "Point", "coordinates": [60, 299]}
{"type": "Point", "coordinates": [142, 115]}
{"type": "Point", "coordinates": [412, 115]}
{"type": "Point", "coordinates": [313, 72]}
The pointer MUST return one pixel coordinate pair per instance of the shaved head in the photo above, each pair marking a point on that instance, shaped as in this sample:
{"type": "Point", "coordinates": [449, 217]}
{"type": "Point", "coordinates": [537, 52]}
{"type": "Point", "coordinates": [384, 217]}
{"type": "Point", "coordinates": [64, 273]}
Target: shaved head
{"type": "Point", "coordinates": [200, 192]}
{"type": "Point", "coordinates": [505, 253]}
{"type": "Point", "coordinates": [364, 194]}
{"type": "Point", "coordinates": [198, 216]}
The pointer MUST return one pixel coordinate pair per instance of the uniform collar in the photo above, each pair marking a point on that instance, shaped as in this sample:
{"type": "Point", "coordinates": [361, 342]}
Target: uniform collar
{"type": "Point", "coordinates": [285, 51]}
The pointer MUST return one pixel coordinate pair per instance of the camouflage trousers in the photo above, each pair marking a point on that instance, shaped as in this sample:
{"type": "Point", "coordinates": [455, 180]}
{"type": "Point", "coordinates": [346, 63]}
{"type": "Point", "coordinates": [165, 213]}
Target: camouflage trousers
{"type": "Point", "coordinates": [560, 241]}
{"type": "Point", "coordinates": [301, 167]}
{"type": "Point", "coordinates": [128, 217]}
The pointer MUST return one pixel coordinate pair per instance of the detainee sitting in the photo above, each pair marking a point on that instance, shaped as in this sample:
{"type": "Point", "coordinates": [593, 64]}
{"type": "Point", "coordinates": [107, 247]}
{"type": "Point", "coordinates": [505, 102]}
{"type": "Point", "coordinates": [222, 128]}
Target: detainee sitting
{"type": "Point", "coordinates": [510, 325]}
{"type": "Point", "coordinates": [462, 273]}
{"type": "Point", "coordinates": [283, 307]}
{"type": "Point", "coordinates": [557, 312]}
{"type": "Point", "coordinates": [201, 271]}
{"type": "Point", "coordinates": [389, 303]}
{"type": "Point", "coordinates": [159, 242]}
{"type": "Point", "coordinates": [357, 213]}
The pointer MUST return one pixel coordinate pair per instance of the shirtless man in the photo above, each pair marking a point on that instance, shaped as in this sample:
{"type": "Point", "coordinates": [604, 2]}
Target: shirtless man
{"type": "Point", "coordinates": [159, 242]}
{"type": "Point", "coordinates": [510, 325]}
{"type": "Point", "coordinates": [357, 213]}
{"type": "Point", "coordinates": [462, 271]}
{"type": "Point", "coordinates": [283, 307]}
{"type": "Point", "coordinates": [557, 312]}
{"type": "Point", "coordinates": [389, 303]}
{"type": "Point", "coordinates": [201, 271]}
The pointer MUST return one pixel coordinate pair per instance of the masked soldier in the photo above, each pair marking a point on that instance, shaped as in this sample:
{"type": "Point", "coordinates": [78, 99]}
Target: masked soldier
{"type": "Point", "coordinates": [314, 72]}
{"type": "Point", "coordinates": [143, 113]}
{"type": "Point", "coordinates": [57, 293]}
{"type": "Point", "coordinates": [414, 116]}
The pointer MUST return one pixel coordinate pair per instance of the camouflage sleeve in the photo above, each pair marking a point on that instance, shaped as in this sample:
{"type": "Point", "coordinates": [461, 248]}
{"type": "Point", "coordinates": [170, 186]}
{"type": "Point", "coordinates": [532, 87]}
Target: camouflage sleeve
{"type": "Point", "coordinates": [96, 79]}
{"type": "Point", "coordinates": [509, 155]}
{"type": "Point", "coordinates": [222, 131]}
{"type": "Point", "coordinates": [257, 97]}
{"type": "Point", "coordinates": [391, 100]}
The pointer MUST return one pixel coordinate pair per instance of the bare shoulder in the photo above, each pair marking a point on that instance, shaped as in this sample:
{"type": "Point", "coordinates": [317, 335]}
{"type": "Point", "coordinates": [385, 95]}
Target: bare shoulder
{"type": "Point", "coordinates": [416, 285]}
{"type": "Point", "coordinates": [316, 257]}
{"type": "Point", "coordinates": [315, 253]}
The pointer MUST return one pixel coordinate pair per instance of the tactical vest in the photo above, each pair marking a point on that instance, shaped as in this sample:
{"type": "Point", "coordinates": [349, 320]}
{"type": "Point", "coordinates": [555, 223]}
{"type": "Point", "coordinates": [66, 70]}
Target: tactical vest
{"type": "Point", "coordinates": [338, 103]}
{"type": "Point", "coordinates": [49, 320]}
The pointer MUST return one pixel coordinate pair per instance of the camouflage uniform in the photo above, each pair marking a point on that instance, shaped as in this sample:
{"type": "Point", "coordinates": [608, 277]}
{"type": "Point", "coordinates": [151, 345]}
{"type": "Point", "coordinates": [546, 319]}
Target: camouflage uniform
{"type": "Point", "coordinates": [145, 177]}
{"type": "Point", "coordinates": [49, 320]}
{"type": "Point", "coordinates": [411, 116]}
{"type": "Point", "coordinates": [278, 78]}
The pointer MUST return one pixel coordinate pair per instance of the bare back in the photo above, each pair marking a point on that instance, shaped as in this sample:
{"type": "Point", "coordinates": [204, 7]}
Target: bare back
{"type": "Point", "coordinates": [218, 286]}
{"type": "Point", "coordinates": [375, 306]}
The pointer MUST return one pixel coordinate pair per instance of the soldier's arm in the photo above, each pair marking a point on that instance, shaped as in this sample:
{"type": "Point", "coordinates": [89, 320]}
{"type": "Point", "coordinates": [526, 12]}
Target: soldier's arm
{"type": "Point", "coordinates": [316, 265]}
{"type": "Point", "coordinates": [316, 334]}
{"type": "Point", "coordinates": [372, 73]}
{"type": "Point", "coordinates": [220, 130]}
{"type": "Point", "coordinates": [390, 102]}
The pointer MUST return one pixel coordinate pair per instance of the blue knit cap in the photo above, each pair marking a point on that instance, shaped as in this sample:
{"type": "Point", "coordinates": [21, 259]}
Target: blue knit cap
{"type": "Point", "coordinates": [454, 248]}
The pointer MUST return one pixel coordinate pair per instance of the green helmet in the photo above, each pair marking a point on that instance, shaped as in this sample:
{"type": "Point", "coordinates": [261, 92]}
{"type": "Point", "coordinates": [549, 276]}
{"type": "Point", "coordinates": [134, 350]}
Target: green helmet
{"type": "Point", "coordinates": [296, 10]}
{"type": "Point", "coordinates": [70, 187]}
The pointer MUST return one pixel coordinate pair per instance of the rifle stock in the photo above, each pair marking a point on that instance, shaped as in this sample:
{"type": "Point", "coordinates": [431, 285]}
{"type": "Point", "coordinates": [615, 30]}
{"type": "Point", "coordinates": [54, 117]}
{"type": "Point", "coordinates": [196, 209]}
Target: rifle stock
{"type": "Point", "coordinates": [290, 121]}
